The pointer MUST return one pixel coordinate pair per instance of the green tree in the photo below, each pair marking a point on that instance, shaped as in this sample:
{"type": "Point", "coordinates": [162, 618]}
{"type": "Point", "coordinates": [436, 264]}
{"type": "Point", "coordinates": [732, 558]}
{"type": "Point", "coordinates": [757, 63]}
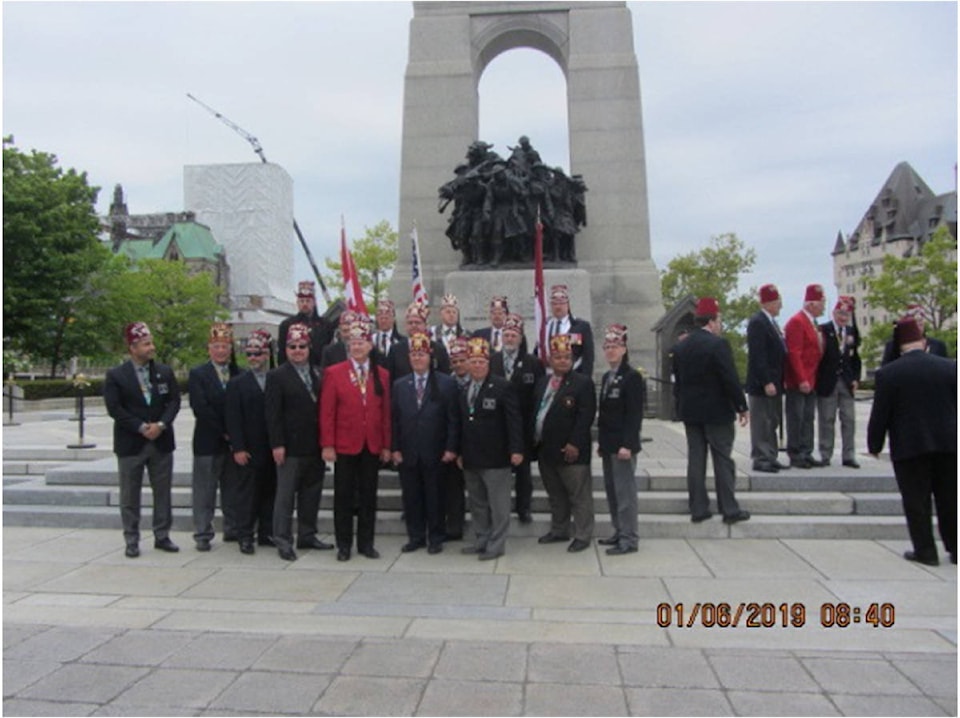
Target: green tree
{"type": "Point", "coordinates": [176, 304]}
{"type": "Point", "coordinates": [927, 278]}
{"type": "Point", "coordinates": [375, 256]}
{"type": "Point", "coordinates": [50, 251]}
{"type": "Point", "coordinates": [714, 271]}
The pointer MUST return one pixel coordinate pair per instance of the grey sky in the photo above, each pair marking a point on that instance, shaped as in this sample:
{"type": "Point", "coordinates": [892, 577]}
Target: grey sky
{"type": "Point", "coordinates": [777, 121]}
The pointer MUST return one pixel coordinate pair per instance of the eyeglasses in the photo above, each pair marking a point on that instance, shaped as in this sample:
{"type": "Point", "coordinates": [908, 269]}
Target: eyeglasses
{"type": "Point", "coordinates": [298, 346]}
{"type": "Point", "coordinates": [255, 354]}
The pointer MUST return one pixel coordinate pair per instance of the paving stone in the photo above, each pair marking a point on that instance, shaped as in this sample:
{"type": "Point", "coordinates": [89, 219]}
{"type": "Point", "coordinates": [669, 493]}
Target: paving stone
{"type": "Point", "coordinates": [128, 579]}
{"type": "Point", "coordinates": [659, 667]}
{"type": "Point", "coordinates": [762, 673]}
{"type": "Point", "coordinates": [306, 655]}
{"type": "Point", "coordinates": [273, 692]}
{"type": "Point", "coordinates": [177, 687]}
{"type": "Point", "coordinates": [481, 661]}
{"type": "Point", "coordinates": [935, 677]}
{"type": "Point", "coordinates": [677, 702]}
{"type": "Point", "coordinates": [139, 648]}
{"type": "Point", "coordinates": [23, 707]}
{"type": "Point", "coordinates": [859, 677]}
{"type": "Point", "coordinates": [12, 635]}
{"type": "Point", "coordinates": [569, 664]}
{"type": "Point", "coordinates": [555, 699]}
{"type": "Point", "coordinates": [585, 592]}
{"type": "Point", "coordinates": [780, 703]}
{"type": "Point", "coordinates": [18, 674]}
{"type": "Point", "coordinates": [220, 651]}
{"type": "Point", "coordinates": [84, 683]}
{"type": "Point", "coordinates": [59, 644]}
{"type": "Point", "coordinates": [112, 709]}
{"type": "Point", "coordinates": [413, 659]}
{"type": "Point", "coordinates": [237, 583]}
{"type": "Point", "coordinates": [859, 705]}
{"type": "Point", "coordinates": [468, 589]}
{"type": "Point", "coordinates": [27, 575]}
{"type": "Point", "coordinates": [471, 698]}
{"type": "Point", "coordinates": [366, 695]}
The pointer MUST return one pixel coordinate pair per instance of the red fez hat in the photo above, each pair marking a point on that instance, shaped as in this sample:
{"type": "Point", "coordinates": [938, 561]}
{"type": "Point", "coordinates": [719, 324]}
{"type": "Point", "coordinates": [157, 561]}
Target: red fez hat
{"type": "Point", "coordinates": [850, 300]}
{"type": "Point", "coordinates": [615, 335]}
{"type": "Point", "coordinates": [221, 332]}
{"type": "Point", "coordinates": [907, 330]}
{"type": "Point", "coordinates": [499, 302]}
{"type": "Point", "coordinates": [416, 309]}
{"type": "Point", "coordinates": [458, 348]}
{"type": "Point", "coordinates": [561, 344]}
{"type": "Point", "coordinates": [706, 307]}
{"type": "Point", "coordinates": [513, 323]}
{"type": "Point", "coordinates": [385, 306]}
{"type": "Point", "coordinates": [306, 288]}
{"type": "Point", "coordinates": [359, 328]}
{"type": "Point", "coordinates": [478, 348]}
{"type": "Point", "coordinates": [259, 340]}
{"type": "Point", "coordinates": [814, 293]}
{"type": "Point", "coordinates": [136, 331]}
{"type": "Point", "coordinates": [298, 332]}
{"type": "Point", "coordinates": [559, 293]}
{"type": "Point", "coordinates": [842, 306]}
{"type": "Point", "coordinates": [348, 317]}
{"type": "Point", "coordinates": [420, 342]}
{"type": "Point", "coordinates": [769, 293]}
{"type": "Point", "coordinates": [449, 300]}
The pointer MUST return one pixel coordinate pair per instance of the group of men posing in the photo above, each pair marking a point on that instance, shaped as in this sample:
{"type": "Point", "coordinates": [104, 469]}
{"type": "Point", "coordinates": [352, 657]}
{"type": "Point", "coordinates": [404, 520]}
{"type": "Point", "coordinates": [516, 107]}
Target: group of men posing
{"type": "Point", "coordinates": [451, 411]}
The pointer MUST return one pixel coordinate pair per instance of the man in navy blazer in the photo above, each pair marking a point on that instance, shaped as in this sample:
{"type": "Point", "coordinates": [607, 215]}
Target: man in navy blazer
{"type": "Point", "coordinates": [425, 436]}
{"type": "Point", "coordinates": [212, 463]}
{"type": "Point", "coordinates": [837, 379]}
{"type": "Point", "coordinates": [710, 399]}
{"type": "Point", "coordinates": [915, 402]}
{"type": "Point", "coordinates": [143, 398]}
{"type": "Point", "coordinates": [766, 353]}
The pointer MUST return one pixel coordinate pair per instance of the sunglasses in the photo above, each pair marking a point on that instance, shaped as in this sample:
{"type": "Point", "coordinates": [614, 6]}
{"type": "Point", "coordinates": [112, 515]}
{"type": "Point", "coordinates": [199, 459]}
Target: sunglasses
{"type": "Point", "coordinates": [298, 346]}
{"type": "Point", "coordinates": [255, 354]}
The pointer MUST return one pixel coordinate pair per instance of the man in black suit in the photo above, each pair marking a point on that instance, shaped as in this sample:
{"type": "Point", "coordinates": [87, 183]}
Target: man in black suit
{"type": "Point", "coordinates": [710, 399]}
{"type": "Point", "coordinates": [522, 370]}
{"type": "Point", "coordinates": [426, 436]}
{"type": "Point", "coordinates": [932, 345]}
{"type": "Point", "coordinates": [915, 401]}
{"type": "Point", "coordinates": [321, 331]}
{"type": "Point", "coordinates": [386, 335]}
{"type": "Point", "coordinates": [398, 363]}
{"type": "Point", "coordinates": [212, 465]}
{"type": "Point", "coordinates": [143, 398]}
{"type": "Point", "coordinates": [491, 441]}
{"type": "Point", "coordinates": [455, 489]}
{"type": "Point", "coordinates": [619, 418]}
{"type": "Point", "coordinates": [256, 473]}
{"type": "Point", "coordinates": [499, 309]}
{"type": "Point", "coordinates": [449, 328]}
{"type": "Point", "coordinates": [766, 353]}
{"type": "Point", "coordinates": [579, 330]}
{"type": "Point", "coordinates": [837, 379]}
{"type": "Point", "coordinates": [566, 405]}
{"type": "Point", "coordinates": [290, 404]}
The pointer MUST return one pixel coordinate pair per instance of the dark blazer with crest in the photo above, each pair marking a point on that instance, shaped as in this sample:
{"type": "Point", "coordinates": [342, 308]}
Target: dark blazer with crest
{"type": "Point", "coordinates": [129, 410]}
{"type": "Point", "coordinates": [839, 363]}
{"type": "Point", "coordinates": [208, 402]}
{"type": "Point", "coordinates": [291, 411]}
{"type": "Point", "coordinates": [492, 427]}
{"type": "Point", "coordinates": [526, 371]}
{"type": "Point", "coordinates": [422, 434]}
{"type": "Point", "coordinates": [569, 418]}
{"type": "Point", "coordinates": [246, 418]}
{"type": "Point", "coordinates": [620, 413]}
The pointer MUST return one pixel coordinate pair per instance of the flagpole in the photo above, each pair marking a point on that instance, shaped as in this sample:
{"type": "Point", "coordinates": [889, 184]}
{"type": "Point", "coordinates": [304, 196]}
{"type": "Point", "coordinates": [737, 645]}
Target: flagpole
{"type": "Point", "coordinates": [539, 307]}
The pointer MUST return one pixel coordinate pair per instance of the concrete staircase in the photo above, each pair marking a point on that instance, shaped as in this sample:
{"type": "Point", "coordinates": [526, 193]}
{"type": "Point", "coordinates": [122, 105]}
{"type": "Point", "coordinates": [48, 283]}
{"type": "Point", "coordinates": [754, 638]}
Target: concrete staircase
{"type": "Point", "coordinates": [78, 488]}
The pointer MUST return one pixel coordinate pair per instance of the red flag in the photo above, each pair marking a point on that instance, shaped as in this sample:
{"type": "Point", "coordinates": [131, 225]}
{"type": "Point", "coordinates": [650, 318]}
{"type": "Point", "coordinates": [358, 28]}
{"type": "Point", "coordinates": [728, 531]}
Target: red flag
{"type": "Point", "coordinates": [351, 281]}
{"type": "Point", "coordinates": [419, 291]}
{"type": "Point", "coordinates": [539, 305]}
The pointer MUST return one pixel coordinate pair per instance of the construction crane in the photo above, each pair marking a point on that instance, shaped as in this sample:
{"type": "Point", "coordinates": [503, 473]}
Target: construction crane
{"type": "Point", "coordinates": [255, 143]}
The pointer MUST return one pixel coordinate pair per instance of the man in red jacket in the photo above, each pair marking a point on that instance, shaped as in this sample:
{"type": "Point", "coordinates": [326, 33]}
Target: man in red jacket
{"type": "Point", "coordinates": [355, 435]}
{"type": "Point", "coordinates": [804, 351]}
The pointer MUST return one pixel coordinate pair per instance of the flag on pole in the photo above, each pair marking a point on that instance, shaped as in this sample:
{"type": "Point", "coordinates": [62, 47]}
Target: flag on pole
{"type": "Point", "coordinates": [539, 305]}
{"type": "Point", "coordinates": [419, 291]}
{"type": "Point", "coordinates": [351, 280]}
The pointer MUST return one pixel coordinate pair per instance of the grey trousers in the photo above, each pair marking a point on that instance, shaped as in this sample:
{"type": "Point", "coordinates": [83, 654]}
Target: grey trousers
{"type": "Point", "coordinates": [489, 492]}
{"type": "Point", "coordinates": [209, 473]}
{"type": "Point", "coordinates": [800, 411]}
{"type": "Point", "coordinates": [159, 465]}
{"type": "Point", "coordinates": [620, 483]}
{"type": "Point", "coordinates": [840, 401]}
{"type": "Point", "coordinates": [764, 422]}
{"type": "Point", "coordinates": [719, 439]}
{"type": "Point", "coordinates": [300, 483]}
{"type": "Point", "coordinates": [570, 490]}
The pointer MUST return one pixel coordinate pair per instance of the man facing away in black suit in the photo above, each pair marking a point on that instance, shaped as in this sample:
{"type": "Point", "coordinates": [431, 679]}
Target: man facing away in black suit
{"type": "Point", "coordinates": [143, 398]}
{"type": "Point", "coordinates": [579, 330]}
{"type": "Point", "coordinates": [425, 436]}
{"type": "Point", "coordinates": [212, 464]}
{"type": "Point", "coordinates": [932, 345]}
{"type": "Point", "coordinates": [838, 377]}
{"type": "Point", "coordinates": [710, 399]}
{"type": "Point", "coordinates": [766, 353]}
{"type": "Point", "coordinates": [915, 401]}
{"type": "Point", "coordinates": [256, 483]}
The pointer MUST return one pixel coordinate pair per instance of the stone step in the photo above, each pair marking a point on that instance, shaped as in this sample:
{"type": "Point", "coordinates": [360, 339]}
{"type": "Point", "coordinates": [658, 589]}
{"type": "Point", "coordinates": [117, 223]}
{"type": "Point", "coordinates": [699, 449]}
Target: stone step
{"type": "Point", "coordinates": [49, 453]}
{"type": "Point", "coordinates": [873, 528]}
{"type": "Point", "coordinates": [32, 467]}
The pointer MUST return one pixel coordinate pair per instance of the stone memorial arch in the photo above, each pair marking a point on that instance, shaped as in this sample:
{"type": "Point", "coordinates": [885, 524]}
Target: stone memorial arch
{"type": "Point", "coordinates": [451, 43]}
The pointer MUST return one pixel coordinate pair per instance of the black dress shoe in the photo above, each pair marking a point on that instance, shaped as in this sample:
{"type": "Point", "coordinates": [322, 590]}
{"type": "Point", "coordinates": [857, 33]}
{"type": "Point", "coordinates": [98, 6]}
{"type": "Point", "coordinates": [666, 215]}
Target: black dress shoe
{"type": "Point", "coordinates": [203, 545]}
{"type": "Point", "coordinates": [438, 547]}
{"type": "Point", "coordinates": [801, 464]}
{"type": "Point", "coordinates": [578, 545]}
{"type": "Point", "coordinates": [287, 553]}
{"type": "Point", "coordinates": [767, 468]}
{"type": "Point", "coordinates": [814, 463]}
{"type": "Point", "coordinates": [165, 544]}
{"type": "Point", "coordinates": [782, 467]}
{"type": "Point", "coordinates": [612, 541]}
{"type": "Point", "coordinates": [411, 546]}
{"type": "Point", "coordinates": [246, 546]}
{"type": "Point", "coordinates": [737, 517]}
{"type": "Point", "coordinates": [911, 556]}
{"type": "Point", "coordinates": [620, 550]}
{"type": "Point", "coordinates": [552, 538]}
{"type": "Point", "coordinates": [343, 554]}
{"type": "Point", "coordinates": [132, 550]}
{"type": "Point", "coordinates": [701, 518]}
{"type": "Point", "coordinates": [851, 463]}
{"type": "Point", "coordinates": [525, 517]}
{"type": "Point", "coordinates": [370, 552]}
{"type": "Point", "coordinates": [314, 542]}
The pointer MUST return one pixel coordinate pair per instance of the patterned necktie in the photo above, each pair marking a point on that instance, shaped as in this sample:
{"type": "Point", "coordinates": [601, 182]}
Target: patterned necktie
{"type": "Point", "coordinates": [472, 395]}
{"type": "Point", "coordinates": [224, 373]}
{"type": "Point", "coordinates": [143, 374]}
{"type": "Point", "coordinates": [419, 390]}
{"type": "Point", "coordinates": [496, 340]}
{"type": "Point", "coordinates": [508, 360]}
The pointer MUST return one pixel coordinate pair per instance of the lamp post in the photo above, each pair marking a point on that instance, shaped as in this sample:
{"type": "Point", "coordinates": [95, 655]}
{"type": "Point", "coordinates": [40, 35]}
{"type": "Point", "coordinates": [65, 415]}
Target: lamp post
{"type": "Point", "coordinates": [80, 382]}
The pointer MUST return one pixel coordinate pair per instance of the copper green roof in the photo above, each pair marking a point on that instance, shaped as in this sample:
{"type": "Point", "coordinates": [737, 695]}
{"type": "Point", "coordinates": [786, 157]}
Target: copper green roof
{"type": "Point", "coordinates": [191, 240]}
